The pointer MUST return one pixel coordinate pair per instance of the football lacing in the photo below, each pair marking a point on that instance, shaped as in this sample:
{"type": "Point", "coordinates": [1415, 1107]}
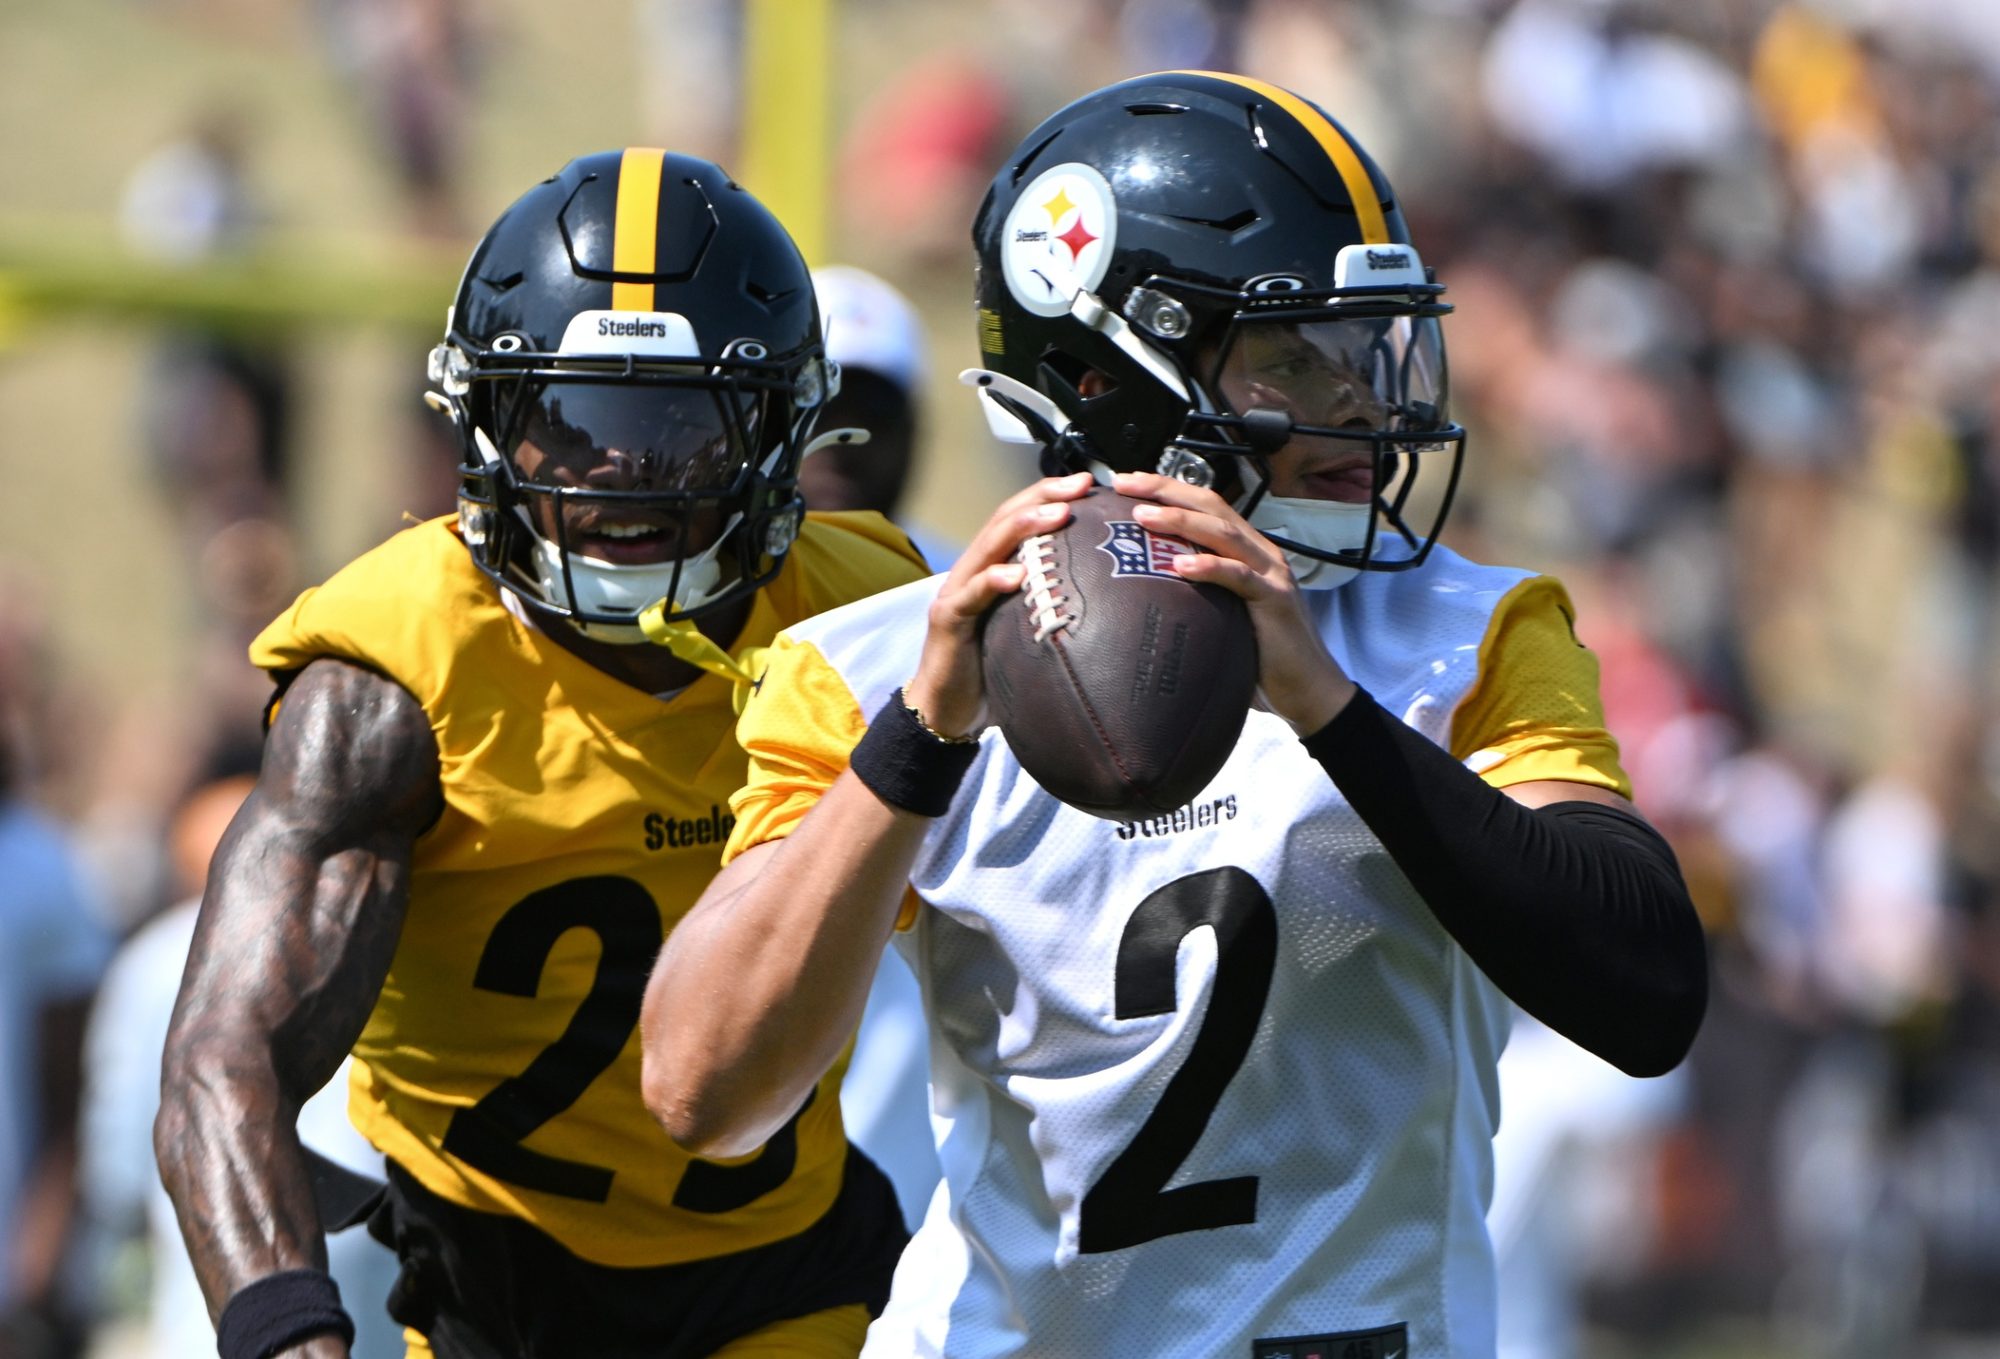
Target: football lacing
{"type": "Point", "coordinates": [1045, 606]}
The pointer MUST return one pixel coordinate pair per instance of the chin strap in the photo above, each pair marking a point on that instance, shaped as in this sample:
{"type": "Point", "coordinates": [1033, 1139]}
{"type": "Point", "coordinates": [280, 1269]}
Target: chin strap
{"type": "Point", "coordinates": [690, 644]}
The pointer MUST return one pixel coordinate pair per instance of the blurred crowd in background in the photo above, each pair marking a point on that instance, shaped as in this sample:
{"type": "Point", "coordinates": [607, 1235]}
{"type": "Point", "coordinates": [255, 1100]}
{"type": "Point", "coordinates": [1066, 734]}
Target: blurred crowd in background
{"type": "Point", "coordinates": [1728, 345]}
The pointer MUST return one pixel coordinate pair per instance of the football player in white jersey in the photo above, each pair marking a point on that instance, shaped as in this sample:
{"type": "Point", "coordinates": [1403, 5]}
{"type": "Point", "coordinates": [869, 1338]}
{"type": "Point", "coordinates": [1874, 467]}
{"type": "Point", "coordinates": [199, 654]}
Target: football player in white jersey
{"type": "Point", "coordinates": [1219, 1083]}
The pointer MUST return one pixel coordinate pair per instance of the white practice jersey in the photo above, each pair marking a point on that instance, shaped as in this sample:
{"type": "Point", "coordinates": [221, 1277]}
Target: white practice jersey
{"type": "Point", "coordinates": [1214, 1084]}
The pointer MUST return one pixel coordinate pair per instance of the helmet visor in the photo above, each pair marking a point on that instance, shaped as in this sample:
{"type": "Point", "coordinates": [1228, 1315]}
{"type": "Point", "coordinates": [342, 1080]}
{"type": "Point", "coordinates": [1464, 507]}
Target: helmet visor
{"type": "Point", "coordinates": [1374, 375]}
{"type": "Point", "coordinates": [633, 474]}
{"type": "Point", "coordinates": [636, 437]}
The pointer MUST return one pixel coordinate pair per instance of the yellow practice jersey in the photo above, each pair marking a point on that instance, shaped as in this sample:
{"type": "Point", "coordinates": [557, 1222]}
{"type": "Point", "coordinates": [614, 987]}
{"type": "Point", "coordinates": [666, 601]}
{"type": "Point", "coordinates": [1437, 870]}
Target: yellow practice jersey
{"type": "Point", "coordinates": [582, 819]}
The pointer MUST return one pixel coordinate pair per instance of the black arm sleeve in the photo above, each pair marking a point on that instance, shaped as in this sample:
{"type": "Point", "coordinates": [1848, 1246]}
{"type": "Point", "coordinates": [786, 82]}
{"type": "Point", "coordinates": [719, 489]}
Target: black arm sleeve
{"type": "Point", "coordinates": [1577, 910]}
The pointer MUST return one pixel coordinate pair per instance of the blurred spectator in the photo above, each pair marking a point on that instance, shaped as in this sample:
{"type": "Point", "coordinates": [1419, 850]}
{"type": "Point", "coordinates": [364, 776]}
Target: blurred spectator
{"type": "Point", "coordinates": [1883, 948]}
{"type": "Point", "coordinates": [691, 53]}
{"type": "Point", "coordinates": [885, 1099]}
{"type": "Point", "coordinates": [215, 415]}
{"type": "Point", "coordinates": [920, 155]}
{"type": "Point", "coordinates": [188, 201]}
{"type": "Point", "coordinates": [1181, 35]}
{"type": "Point", "coordinates": [52, 949]}
{"type": "Point", "coordinates": [215, 420]}
{"type": "Point", "coordinates": [1602, 98]}
{"type": "Point", "coordinates": [120, 1185]}
{"type": "Point", "coordinates": [428, 483]}
{"type": "Point", "coordinates": [413, 65]}
{"type": "Point", "coordinates": [874, 334]}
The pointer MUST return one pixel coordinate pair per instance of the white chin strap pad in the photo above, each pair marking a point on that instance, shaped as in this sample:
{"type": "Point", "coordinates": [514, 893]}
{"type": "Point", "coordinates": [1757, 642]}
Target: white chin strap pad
{"type": "Point", "coordinates": [1324, 525]}
{"type": "Point", "coordinates": [606, 587]}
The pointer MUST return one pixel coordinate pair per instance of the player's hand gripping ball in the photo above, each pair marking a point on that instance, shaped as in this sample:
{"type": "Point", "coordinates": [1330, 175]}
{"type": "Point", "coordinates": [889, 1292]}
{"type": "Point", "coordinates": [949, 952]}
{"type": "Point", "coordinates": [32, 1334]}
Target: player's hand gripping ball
{"type": "Point", "coordinates": [1120, 687]}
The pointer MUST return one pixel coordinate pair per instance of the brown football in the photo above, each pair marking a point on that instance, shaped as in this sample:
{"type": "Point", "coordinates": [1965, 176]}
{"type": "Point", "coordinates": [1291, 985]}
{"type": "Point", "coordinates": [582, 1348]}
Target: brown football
{"type": "Point", "coordinates": [1120, 687]}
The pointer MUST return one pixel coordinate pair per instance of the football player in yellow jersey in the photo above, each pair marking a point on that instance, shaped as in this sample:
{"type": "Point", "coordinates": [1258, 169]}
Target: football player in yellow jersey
{"type": "Point", "coordinates": [497, 774]}
{"type": "Point", "coordinates": [1219, 1082]}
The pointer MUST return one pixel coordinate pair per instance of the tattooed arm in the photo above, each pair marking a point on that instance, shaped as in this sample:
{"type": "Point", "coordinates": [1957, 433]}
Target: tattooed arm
{"type": "Point", "coordinates": [304, 905]}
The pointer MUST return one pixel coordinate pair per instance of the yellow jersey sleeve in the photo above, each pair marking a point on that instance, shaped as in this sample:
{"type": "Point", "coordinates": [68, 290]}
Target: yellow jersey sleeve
{"type": "Point", "coordinates": [1534, 712]}
{"type": "Point", "coordinates": [798, 730]}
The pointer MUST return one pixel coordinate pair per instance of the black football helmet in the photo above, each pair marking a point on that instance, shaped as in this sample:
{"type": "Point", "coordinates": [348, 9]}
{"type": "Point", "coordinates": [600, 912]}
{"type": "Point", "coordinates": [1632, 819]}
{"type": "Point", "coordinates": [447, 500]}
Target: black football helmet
{"type": "Point", "coordinates": [633, 362]}
{"type": "Point", "coordinates": [1187, 272]}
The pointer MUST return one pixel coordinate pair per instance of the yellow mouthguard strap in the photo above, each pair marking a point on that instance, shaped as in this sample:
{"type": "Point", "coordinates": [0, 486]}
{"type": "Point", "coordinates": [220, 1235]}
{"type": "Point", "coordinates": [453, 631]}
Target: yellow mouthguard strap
{"type": "Point", "coordinates": [689, 644]}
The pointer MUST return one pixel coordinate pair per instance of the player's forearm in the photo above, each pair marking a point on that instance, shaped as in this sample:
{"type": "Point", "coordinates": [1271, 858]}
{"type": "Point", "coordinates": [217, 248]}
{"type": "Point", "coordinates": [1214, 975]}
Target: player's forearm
{"type": "Point", "coordinates": [1577, 911]}
{"type": "Point", "coordinates": [230, 1159]}
{"type": "Point", "coordinates": [305, 904]}
{"type": "Point", "coordinates": [266, 1011]}
{"type": "Point", "coordinates": [759, 988]}
{"type": "Point", "coordinates": [269, 1006]}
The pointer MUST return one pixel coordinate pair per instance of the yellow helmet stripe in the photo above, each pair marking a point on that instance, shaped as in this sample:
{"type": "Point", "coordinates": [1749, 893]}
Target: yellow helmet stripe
{"type": "Point", "coordinates": [635, 238]}
{"type": "Point", "coordinates": [1374, 226]}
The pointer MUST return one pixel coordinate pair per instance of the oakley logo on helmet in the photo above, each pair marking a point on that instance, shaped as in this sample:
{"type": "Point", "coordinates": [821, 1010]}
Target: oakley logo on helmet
{"type": "Point", "coordinates": [656, 334]}
{"type": "Point", "coordinates": [1059, 237]}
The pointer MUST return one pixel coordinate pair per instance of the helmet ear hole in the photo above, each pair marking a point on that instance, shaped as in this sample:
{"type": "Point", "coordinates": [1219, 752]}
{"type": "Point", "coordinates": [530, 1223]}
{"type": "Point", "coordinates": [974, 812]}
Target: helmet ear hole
{"type": "Point", "coordinates": [1078, 378]}
{"type": "Point", "coordinates": [1063, 375]}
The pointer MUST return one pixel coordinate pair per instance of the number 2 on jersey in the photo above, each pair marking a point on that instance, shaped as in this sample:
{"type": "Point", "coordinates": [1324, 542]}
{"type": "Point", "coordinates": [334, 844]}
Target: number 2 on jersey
{"type": "Point", "coordinates": [1130, 1203]}
{"type": "Point", "coordinates": [626, 921]}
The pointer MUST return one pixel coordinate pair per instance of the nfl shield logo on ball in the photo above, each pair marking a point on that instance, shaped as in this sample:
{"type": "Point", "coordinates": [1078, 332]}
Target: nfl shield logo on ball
{"type": "Point", "coordinates": [1135, 552]}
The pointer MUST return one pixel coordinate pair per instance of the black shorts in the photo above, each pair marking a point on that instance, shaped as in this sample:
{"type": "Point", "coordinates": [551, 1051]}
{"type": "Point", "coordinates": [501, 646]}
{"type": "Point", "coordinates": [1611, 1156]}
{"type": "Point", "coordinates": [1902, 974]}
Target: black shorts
{"type": "Point", "coordinates": [490, 1286]}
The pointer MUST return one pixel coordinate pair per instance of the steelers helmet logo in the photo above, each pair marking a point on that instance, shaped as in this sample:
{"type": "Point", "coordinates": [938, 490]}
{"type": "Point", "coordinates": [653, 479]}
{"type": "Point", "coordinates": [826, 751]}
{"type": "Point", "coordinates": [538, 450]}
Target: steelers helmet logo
{"type": "Point", "coordinates": [1058, 238]}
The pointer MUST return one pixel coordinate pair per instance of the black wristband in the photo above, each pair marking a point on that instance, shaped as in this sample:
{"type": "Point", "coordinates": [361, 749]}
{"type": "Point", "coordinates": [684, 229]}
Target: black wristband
{"type": "Point", "coordinates": [275, 1312]}
{"type": "Point", "coordinates": [908, 765]}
